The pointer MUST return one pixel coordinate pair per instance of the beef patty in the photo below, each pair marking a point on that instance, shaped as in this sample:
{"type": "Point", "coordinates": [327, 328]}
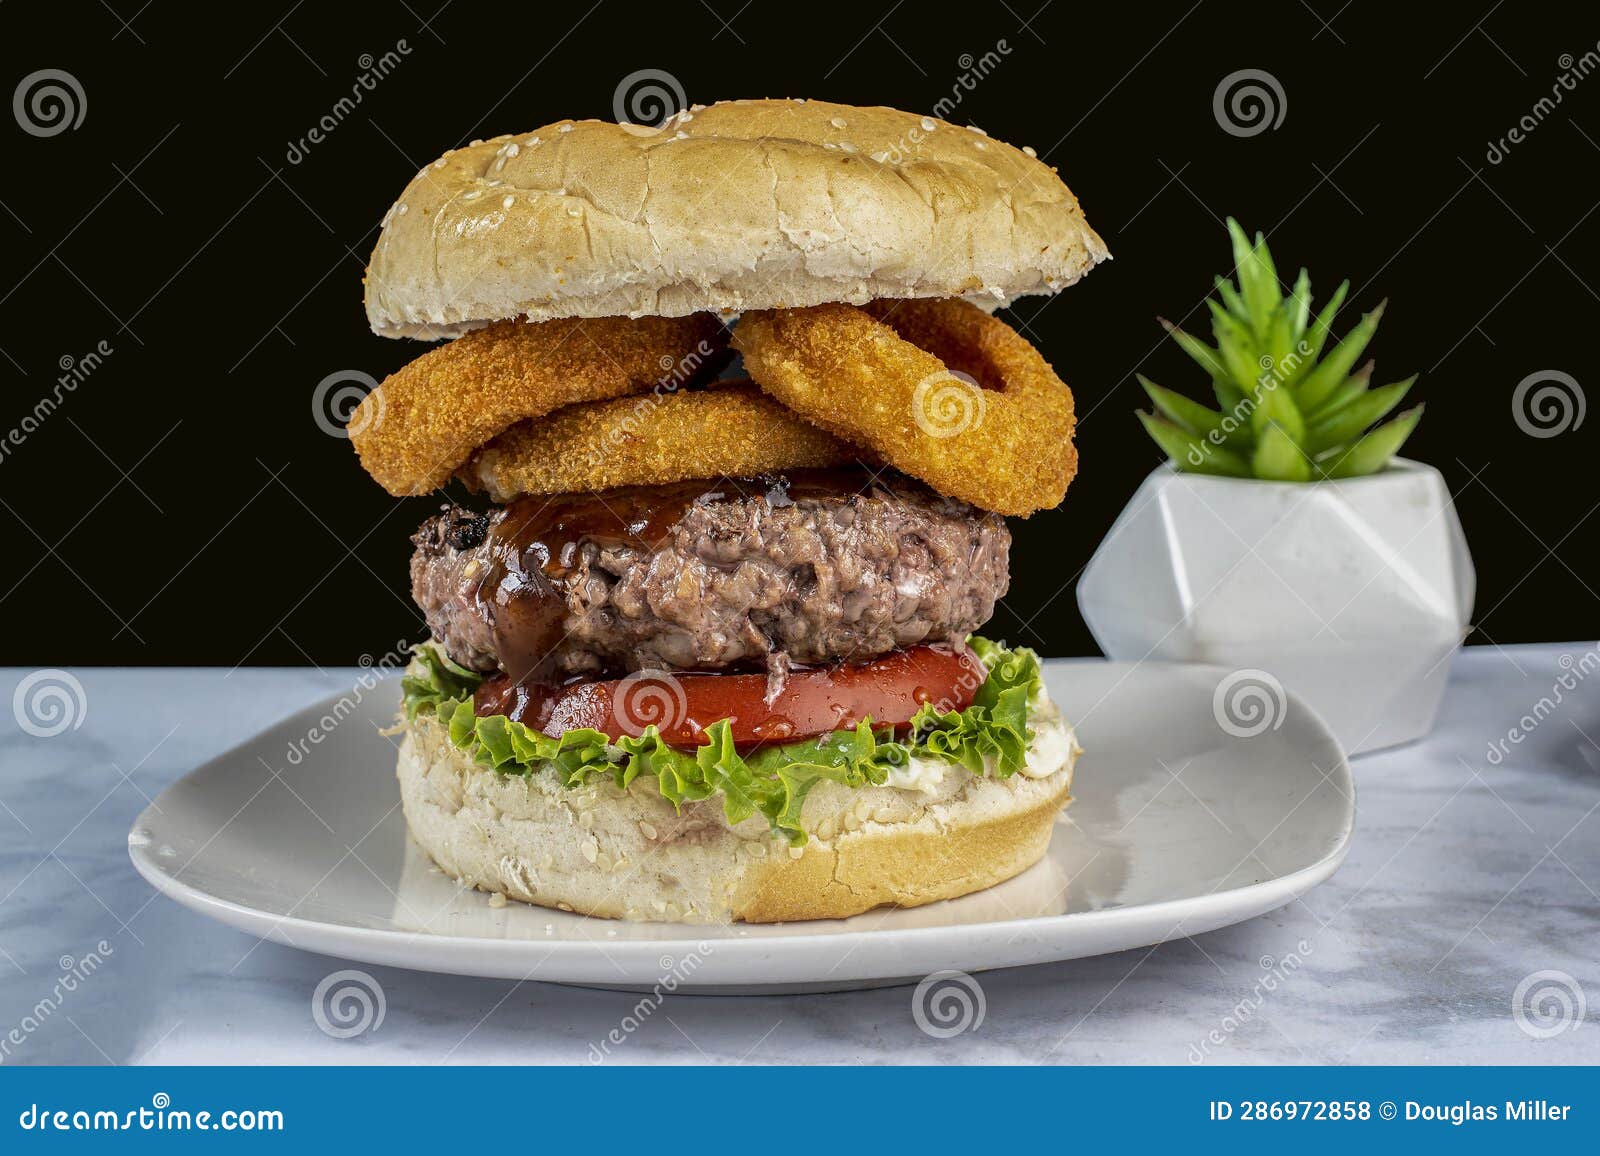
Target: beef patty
{"type": "Point", "coordinates": [813, 567]}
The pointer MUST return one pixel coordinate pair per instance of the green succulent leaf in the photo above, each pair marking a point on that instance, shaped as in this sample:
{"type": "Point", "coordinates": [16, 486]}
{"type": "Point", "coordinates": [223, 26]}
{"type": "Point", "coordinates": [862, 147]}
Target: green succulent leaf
{"type": "Point", "coordinates": [1371, 453]}
{"type": "Point", "coordinates": [1236, 345]}
{"type": "Point", "coordinates": [1192, 417]}
{"type": "Point", "coordinates": [1290, 409]}
{"type": "Point", "coordinates": [1205, 357]}
{"type": "Point", "coordinates": [1194, 454]}
{"type": "Point", "coordinates": [1242, 248]}
{"type": "Point", "coordinates": [1315, 386]}
{"type": "Point", "coordinates": [1347, 422]}
{"type": "Point", "coordinates": [1317, 335]}
{"type": "Point", "coordinates": [1300, 309]}
{"type": "Point", "coordinates": [1258, 279]}
{"type": "Point", "coordinates": [1228, 395]}
{"type": "Point", "coordinates": [1275, 405]}
{"type": "Point", "coordinates": [1271, 290]}
{"type": "Point", "coordinates": [1347, 391]}
{"type": "Point", "coordinates": [1278, 458]}
{"type": "Point", "coordinates": [1230, 298]}
{"type": "Point", "coordinates": [1280, 342]}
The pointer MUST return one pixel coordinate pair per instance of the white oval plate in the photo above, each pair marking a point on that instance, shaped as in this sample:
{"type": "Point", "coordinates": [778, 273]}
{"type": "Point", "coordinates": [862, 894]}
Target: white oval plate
{"type": "Point", "coordinates": [1179, 826]}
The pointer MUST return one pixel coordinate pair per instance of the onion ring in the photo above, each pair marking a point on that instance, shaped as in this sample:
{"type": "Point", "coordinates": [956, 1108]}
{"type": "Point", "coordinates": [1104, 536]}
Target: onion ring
{"type": "Point", "coordinates": [424, 421]}
{"type": "Point", "coordinates": [734, 430]}
{"type": "Point", "coordinates": [939, 388]}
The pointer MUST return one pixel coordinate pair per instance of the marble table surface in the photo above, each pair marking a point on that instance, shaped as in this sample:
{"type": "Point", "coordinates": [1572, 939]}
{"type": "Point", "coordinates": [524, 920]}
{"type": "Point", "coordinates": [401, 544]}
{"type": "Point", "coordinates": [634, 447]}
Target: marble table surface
{"type": "Point", "coordinates": [1463, 928]}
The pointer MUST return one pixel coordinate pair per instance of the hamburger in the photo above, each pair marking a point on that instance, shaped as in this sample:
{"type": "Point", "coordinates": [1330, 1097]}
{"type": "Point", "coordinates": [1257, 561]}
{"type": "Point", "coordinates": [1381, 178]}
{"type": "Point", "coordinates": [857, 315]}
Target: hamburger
{"type": "Point", "coordinates": [726, 435]}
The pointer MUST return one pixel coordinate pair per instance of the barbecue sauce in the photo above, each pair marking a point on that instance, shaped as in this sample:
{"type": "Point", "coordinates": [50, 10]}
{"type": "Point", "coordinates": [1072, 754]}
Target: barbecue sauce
{"type": "Point", "coordinates": [535, 547]}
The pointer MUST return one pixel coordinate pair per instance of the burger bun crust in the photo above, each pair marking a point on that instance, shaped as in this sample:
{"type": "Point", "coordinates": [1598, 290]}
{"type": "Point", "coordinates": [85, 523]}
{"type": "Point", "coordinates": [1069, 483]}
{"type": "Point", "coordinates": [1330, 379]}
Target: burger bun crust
{"type": "Point", "coordinates": [741, 205]}
{"type": "Point", "coordinates": [628, 854]}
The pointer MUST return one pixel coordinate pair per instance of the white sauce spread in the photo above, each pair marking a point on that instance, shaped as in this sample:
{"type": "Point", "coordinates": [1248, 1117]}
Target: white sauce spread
{"type": "Point", "coordinates": [923, 775]}
{"type": "Point", "coordinates": [1055, 747]}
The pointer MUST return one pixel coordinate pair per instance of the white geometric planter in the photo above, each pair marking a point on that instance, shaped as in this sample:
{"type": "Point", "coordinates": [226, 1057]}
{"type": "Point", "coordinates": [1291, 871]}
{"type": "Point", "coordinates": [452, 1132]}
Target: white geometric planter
{"type": "Point", "coordinates": [1352, 593]}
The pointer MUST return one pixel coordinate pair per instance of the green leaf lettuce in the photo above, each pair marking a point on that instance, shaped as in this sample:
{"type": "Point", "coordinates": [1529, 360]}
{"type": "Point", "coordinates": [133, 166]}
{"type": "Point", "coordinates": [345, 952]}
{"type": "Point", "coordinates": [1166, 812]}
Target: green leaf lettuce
{"type": "Point", "coordinates": [991, 736]}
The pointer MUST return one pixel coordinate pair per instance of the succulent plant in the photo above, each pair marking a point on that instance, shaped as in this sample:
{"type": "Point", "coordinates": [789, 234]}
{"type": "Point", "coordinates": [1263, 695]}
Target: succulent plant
{"type": "Point", "coordinates": [1288, 411]}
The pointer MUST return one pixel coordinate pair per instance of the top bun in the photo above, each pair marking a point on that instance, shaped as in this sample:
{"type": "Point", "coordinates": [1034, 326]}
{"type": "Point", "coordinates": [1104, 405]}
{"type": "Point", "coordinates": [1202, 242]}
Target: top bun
{"type": "Point", "coordinates": [746, 204]}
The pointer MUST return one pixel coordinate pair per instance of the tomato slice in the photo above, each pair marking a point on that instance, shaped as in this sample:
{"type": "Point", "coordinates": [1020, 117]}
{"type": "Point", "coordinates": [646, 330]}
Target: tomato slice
{"type": "Point", "coordinates": [814, 701]}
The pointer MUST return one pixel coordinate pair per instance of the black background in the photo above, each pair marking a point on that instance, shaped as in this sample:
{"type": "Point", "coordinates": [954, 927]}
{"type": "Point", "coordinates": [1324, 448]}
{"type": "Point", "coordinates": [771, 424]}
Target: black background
{"type": "Point", "coordinates": [182, 506]}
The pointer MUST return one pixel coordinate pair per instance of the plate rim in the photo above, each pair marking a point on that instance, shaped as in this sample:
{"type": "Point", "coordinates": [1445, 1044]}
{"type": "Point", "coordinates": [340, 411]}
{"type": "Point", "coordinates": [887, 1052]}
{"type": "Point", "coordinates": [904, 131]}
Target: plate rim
{"type": "Point", "coordinates": [1277, 891]}
{"type": "Point", "coordinates": [383, 946]}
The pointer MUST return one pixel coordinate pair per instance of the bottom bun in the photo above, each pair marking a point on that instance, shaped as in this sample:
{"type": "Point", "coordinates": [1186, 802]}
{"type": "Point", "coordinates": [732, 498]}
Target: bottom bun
{"type": "Point", "coordinates": [627, 854]}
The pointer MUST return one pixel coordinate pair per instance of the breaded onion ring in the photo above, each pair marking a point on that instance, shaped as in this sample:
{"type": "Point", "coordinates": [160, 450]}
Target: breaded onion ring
{"type": "Point", "coordinates": [733, 430]}
{"type": "Point", "coordinates": [940, 389]}
{"type": "Point", "coordinates": [424, 421]}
